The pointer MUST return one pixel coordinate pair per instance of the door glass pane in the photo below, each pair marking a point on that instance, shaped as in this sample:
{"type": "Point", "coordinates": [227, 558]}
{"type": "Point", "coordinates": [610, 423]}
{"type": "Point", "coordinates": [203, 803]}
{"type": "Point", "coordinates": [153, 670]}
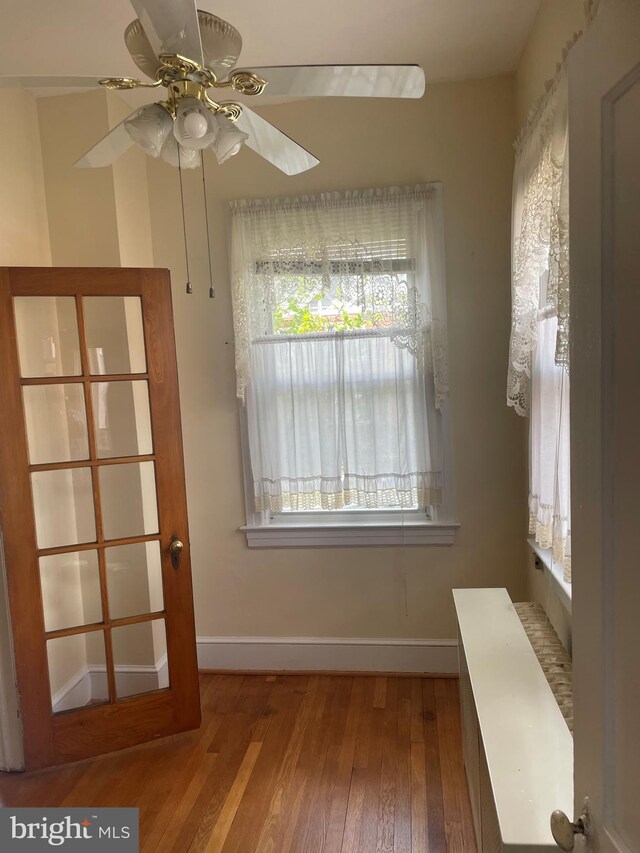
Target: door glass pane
{"type": "Point", "coordinates": [122, 418]}
{"type": "Point", "coordinates": [134, 576]}
{"type": "Point", "coordinates": [63, 507]}
{"type": "Point", "coordinates": [115, 339]}
{"type": "Point", "coordinates": [70, 590]}
{"type": "Point", "coordinates": [128, 494]}
{"type": "Point", "coordinates": [77, 671]}
{"type": "Point", "coordinates": [56, 423]}
{"type": "Point", "coordinates": [47, 331]}
{"type": "Point", "coordinates": [140, 657]}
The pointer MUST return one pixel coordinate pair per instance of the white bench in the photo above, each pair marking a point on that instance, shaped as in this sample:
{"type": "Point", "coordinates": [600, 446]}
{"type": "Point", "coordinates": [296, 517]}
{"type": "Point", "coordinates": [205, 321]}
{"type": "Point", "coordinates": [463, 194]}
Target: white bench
{"type": "Point", "coordinates": [518, 750]}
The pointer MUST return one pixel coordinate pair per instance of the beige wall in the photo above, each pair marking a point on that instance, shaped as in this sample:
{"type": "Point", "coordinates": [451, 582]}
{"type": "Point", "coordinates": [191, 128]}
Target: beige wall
{"type": "Point", "coordinates": [24, 232]}
{"type": "Point", "coordinates": [97, 217]}
{"type": "Point", "coordinates": [80, 202]}
{"type": "Point", "coordinates": [554, 26]}
{"type": "Point", "coordinates": [461, 134]}
{"type": "Point", "coordinates": [131, 196]}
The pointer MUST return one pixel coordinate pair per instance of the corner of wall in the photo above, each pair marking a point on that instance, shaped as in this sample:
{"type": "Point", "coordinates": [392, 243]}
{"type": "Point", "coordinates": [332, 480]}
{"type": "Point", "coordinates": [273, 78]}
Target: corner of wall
{"type": "Point", "coordinates": [554, 25]}
{"type": "Point", "coordinates": [97, 217]}
{"type": "Point", "coordinates": [80, 202]}
{"type": "Point", "coordinates": [131, 193]}
{"type": "Point", "coordinates": [24, 229]}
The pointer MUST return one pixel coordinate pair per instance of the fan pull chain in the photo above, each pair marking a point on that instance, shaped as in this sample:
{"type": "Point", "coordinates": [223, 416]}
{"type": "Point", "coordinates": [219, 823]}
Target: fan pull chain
{"type": "Point", "coordinates": [212, 292]}
{"type": "Point", "coordinates": [189, 288]}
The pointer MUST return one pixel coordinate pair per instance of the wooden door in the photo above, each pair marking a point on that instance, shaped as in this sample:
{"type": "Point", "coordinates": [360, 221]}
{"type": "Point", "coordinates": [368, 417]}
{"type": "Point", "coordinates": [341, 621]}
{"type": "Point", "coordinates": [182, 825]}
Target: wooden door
{"type": "Point", "coordinates": [604, 134]}
{"type": "Point", "coordinates": [91, 495]}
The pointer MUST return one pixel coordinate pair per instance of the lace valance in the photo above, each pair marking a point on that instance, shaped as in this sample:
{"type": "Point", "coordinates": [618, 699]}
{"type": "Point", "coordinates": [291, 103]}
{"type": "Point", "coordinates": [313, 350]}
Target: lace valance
{"type": "Point", "coordinates": [540, 251]}
{"type": "Point", "coordinates": [540, 230]}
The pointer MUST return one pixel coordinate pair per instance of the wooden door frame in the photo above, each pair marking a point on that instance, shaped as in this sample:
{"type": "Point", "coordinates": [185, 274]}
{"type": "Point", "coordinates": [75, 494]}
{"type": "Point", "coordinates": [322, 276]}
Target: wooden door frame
{"type": "Point", "coordinates": [91, 730]}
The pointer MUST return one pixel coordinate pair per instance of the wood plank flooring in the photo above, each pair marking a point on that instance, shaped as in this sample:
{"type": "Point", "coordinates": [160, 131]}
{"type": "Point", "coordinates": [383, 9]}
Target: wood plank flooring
{"type": "Point", "coordinates": [288, 764]}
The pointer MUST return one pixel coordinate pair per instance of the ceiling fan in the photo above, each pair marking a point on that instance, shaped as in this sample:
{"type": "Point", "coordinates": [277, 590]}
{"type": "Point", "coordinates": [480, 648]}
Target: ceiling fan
{"type": "Point", "coordinates": [193, 55]}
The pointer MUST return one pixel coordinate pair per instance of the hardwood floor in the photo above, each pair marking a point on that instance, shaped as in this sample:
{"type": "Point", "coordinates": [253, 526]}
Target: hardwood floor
{"type": "Point", "coordinates": [288, 764]}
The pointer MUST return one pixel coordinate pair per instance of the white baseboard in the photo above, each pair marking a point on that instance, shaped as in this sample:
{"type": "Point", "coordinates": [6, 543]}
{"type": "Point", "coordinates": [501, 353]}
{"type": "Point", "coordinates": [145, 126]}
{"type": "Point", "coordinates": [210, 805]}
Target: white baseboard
{"type": "Point", "coordinates": [308, 654]}
{"type": "Point", "coordinates": [75, 693]}
{"type": "Point", "coordinates": [130, 679]}
{"type": "Point", "coordinates": [90, 683]}
{"type": "Point", "coordinates": [330, 654]}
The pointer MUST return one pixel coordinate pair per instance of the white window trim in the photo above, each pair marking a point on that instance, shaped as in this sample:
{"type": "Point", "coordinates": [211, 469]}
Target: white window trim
{"type": "Point", "coordinates": [344, 535]}
{"type": "Point", "coordinates": [344, 528]}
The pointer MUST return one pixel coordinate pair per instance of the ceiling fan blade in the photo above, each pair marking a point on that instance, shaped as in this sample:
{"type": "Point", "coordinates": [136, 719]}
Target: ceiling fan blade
{"type": "Point", "coordinates": [49, 82]}
{"type": "Point", "coordinates": [355, 81]}
{"type": "Point", "coordinates": [171, 27]}
{"type": "Point", "coordinates": [274, 145]}
{"type": "Point", "coordinates": [110, 147]}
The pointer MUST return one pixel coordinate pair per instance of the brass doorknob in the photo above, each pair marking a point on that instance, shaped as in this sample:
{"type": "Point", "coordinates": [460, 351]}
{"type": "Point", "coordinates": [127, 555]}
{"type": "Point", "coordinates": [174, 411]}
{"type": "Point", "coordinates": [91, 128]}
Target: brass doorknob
{"type": "Point", "coordinates": [175, 549]}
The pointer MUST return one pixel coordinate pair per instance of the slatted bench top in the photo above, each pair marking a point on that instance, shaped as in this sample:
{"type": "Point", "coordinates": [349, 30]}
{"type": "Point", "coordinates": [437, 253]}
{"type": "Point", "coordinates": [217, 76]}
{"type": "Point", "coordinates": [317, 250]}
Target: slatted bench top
{"type": "Point", "coordinates": [553, 657]}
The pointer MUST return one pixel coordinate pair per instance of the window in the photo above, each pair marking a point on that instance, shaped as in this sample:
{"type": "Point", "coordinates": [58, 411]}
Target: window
{"type": "Point", "coordinates": [549, 447]}
{"type": "Point", "coordinates": [339, 316]}
{"type": "Point", "coordinates": [538, 378]}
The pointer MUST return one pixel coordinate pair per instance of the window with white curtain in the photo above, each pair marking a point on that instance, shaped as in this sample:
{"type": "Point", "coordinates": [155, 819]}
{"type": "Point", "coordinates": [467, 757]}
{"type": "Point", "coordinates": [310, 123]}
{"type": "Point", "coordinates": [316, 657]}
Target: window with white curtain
{"type": "Point", "coordinates": [340, 339]}
{"type": "Point", "coordinates": [538, 376]}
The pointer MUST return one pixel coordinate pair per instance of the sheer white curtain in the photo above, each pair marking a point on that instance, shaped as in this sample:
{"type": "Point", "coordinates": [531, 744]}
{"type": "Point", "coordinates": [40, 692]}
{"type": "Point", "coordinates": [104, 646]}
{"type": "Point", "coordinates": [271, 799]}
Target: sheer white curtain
{"type": "Point", "coordinates": [550, 485]}
{"type": "Point", "coordinates": [340, 331]}
{"type": "Point", "coordinates": [538, 377]}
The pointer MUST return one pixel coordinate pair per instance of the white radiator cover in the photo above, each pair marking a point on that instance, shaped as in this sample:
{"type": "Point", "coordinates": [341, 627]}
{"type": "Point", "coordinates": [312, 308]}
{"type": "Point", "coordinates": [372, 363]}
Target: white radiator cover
{"type": "Point", "coordinates": [483, 808]}
{"type": "Point", "coordinates": [518, 751]}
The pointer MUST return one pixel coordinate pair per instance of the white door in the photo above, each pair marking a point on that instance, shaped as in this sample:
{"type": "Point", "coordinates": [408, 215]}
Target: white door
{"type": "Point", "coordinates": [604, 93]}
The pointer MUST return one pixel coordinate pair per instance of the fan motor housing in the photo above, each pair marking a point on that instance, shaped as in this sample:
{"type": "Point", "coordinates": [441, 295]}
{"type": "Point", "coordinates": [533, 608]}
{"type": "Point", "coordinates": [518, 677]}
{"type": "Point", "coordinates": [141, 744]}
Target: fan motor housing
{"type": "Point", "coordinates": [221, 46]}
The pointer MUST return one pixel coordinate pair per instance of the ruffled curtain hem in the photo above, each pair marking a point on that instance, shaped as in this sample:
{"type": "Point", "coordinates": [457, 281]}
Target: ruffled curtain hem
{"type": "Point", "coordinates": [405, 491]}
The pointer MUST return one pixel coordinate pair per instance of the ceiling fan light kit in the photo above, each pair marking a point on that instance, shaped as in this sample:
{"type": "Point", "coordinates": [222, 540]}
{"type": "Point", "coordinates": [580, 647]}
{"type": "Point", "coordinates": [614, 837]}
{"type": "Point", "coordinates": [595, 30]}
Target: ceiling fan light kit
{"type": "Point", "coordinates": [179, 157]}
{"type": "Point", "coordinates": [149, 128]}
{"type": "Point", "coordinates": [229, 139]}
{"type": "Point", "coordinates": [194, 126]}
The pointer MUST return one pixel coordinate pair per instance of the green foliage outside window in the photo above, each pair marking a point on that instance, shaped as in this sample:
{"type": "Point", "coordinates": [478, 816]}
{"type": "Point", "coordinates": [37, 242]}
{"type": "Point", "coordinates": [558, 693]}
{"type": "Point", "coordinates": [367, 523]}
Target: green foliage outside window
{"type": "Point", "coordinates": [295, 315]}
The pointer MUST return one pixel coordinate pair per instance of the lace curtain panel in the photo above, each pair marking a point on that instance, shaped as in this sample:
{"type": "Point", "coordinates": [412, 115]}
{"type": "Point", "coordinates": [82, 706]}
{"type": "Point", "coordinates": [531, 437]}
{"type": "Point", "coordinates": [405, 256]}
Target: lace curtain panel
{"type": "Point", "coordinates": [538, 375]}
{"type": "Point", "coordinates": [340, 333]}
{"type": "Point", "coordinates": [540, 241]}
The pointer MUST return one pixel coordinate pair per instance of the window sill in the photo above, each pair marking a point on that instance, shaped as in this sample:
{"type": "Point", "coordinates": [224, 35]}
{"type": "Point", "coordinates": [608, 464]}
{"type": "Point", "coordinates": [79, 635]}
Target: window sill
{"type": "Point", "coordinates": [345, 535]}
{"type": "Point", "coordinates": [553, 571]}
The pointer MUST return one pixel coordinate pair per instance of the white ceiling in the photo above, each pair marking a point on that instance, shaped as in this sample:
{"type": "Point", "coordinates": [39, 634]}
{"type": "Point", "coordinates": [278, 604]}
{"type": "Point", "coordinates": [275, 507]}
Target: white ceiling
{"type": "Point", "coordinates": [451, 39]}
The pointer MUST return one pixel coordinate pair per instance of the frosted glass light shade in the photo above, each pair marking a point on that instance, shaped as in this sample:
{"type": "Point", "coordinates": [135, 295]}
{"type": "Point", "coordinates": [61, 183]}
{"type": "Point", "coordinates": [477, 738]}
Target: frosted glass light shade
{"type": "Point", "coordinates": [189, 159]}
{"type": "Point", "coordinates": [195, 127]}
{"type": "Point", "coordinates": [149, 128]}
{"type": "Point", "coordinates": [229, 139]}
